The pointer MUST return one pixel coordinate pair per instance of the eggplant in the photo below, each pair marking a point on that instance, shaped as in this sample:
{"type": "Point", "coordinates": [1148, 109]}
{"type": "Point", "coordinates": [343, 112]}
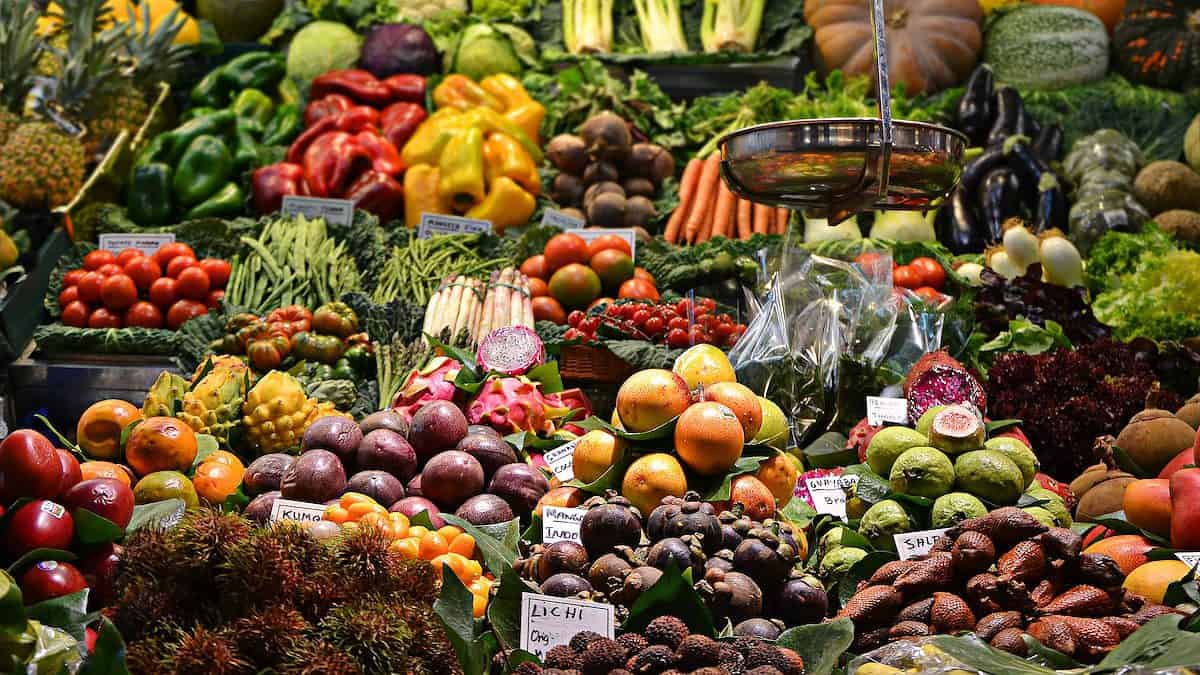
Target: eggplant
{"type": "Point", "coordinates": [1008, 110]}
{"type": "Point", "coordinates": [999, 200]}
{"type": "Point", "coordinates": [1049, 143]}
{"type": "Point", "coordinates": [1027, 126]}
{"type": "Point", "coordinates": [1051, 210]}
{"type": "Point", "coordinates": [975, 107]}
{"type": "Point", "coordinates": [974, 172]}
{"type": "Point", "coordinates": [1029, 168]}
{"type": "Point", "coordinates": [958, 225]}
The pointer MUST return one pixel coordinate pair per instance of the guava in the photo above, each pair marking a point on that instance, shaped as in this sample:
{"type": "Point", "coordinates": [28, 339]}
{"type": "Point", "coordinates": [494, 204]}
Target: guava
{"type": "Point", "coordinates": [1019, 453]}
{"type": "Point", "coordinates": [1042, 515]}
{"type": "Point", "coordinates": [832, 539]}
{"type": "Point", "coordinates": [957, 429]}
{"type": "Point", "coordinates": [883, 520]}
{"type": "Point", "coordinates": [840, 560]}
{"type": "Point", "coordinates": [951, 509]}
{"type": "Point", "coordinates": [926, 422]}
{"type": "Point", "coordinates": [888, 444]}
{"type": "Point", "coordinates": [1053, 503]}
{"type": "Point", "coordinates": [320, 47]}
{"type": "Point", "coordinates": [922, 472]}
{"type": "Point", "coordinates": [990, 475]}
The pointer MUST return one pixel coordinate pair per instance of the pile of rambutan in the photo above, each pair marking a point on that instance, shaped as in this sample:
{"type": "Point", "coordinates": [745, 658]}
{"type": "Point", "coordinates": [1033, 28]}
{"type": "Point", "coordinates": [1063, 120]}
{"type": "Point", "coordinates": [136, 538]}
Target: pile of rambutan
{"type": "Point", "coordinates": [217, 594]}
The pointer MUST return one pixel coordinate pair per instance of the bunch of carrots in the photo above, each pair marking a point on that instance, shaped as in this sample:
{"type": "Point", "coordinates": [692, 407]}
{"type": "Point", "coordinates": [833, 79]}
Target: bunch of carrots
{"type": "Point", "coordinates": [707, 208]}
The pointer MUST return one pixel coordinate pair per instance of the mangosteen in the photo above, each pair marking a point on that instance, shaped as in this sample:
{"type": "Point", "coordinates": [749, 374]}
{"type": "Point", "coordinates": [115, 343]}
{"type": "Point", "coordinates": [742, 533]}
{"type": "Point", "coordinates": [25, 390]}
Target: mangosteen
{"type": "Point", "coordinates": [692, 517]}
{"type": "Point", "coordinates": [636, 582]}
{"type": "Point", "coordinates": [758, 628]}
{"type": "Point", "coordinates": [607, 210]}
{"type": "Point", "coordinates": [673, 548]}
{"type": "Point", "coordinates": [565, 585]}
{"type": "Point", "coordinates": [600, 172]}
{"type": "Point", "coordinates": [722, 561]}
{"type": "Point", "coordinates": [732, 595]}
{"type": "Point", "coordinates": [609, 523]}
{"type": "Point", "coordinates": [606, 136]}
{"type": "Point", "coordinates": [638, 187]}
{"type": "Point", "coordinates": [568, 153]}
{"type": "Point", "coordinates": [566, 189]}
{"type": "Point", "coordinates": [608, 571]}
{"type": "Point", "coordinates": [650, 161]}
{"type": "Point", "coordinates": [763, 557]}
{"type": "Point", "coordinates": [562, 556]}
{"type": "Point", "coordinates": [597, 189]}
{"type": "Point", "coordinates": [639, 211]}
{"type": "Point", "coordinates": [730, 537]}
{"type": "Point", "coordinates": [801, 601]}
{"type": "Point", "coordinates": [668, 508]}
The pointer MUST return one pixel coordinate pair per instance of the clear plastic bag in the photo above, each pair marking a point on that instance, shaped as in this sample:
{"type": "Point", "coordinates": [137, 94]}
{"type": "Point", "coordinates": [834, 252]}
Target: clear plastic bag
{"type": "Point", "coordinates": [907, 656]}
{"type": "Point", "coordinates": [1106, 149]}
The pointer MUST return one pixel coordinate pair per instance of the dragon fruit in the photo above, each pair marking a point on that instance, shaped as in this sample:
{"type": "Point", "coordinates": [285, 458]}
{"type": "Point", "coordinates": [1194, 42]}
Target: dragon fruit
{"type": "Point", "coordinates": [860, 437]}
{"type": "Point", "coordinates": [511, 350]}
{"type": "Point", "coordinates": [938, 379]}
{"type": "Point", "coordinates": [434, 382]}
{"type": "Point", "coordinates": [801, 490]}
{"type": "Point", "coordinates": [572, 400]}
{"type": "Point", "coordinates": [512, 404]}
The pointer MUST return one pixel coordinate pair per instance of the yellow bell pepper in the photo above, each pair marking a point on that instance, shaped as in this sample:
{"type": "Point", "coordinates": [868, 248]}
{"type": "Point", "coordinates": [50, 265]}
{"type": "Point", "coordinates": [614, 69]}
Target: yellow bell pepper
{"type": "Point", "coordinates": [421, 194]}
{"type": "Point", "coordinates": [431, 136]}
{"type": "Point", "coordinates": [460, 91]}
{"type": "Point", "coordinates": [461, 165]}
{"type": "Point", "coordinates": [503, 156]}
{"type": "Point", "coordinates": [491, 122]}
{"type": "Point", "coordinates": [519, 107]}
{"type": "Point", "coordinates": [507, 205]}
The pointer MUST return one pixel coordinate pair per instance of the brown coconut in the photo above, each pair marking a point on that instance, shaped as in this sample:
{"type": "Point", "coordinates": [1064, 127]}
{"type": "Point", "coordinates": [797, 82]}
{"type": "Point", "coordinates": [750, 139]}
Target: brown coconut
{"type": "Point", "coordinates": [1153, 437]}
{"type": "Point", "coordinates": [1104, 492]}
{"type": "Point", "coordinates": [1190, 412]}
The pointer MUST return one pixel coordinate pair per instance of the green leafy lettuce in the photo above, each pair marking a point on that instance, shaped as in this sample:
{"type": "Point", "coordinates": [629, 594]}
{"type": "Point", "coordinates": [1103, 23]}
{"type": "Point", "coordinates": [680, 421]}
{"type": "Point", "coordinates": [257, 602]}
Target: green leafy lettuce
{"type": "Point", "coordinates": [1155, 301]}
{"type": "Point", "coordinates": [1118, 253]}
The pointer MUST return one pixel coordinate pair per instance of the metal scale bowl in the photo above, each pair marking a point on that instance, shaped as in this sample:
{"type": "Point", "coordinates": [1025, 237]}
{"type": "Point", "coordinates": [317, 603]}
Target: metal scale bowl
{"type": "Point", "coordinates": [834, 167]}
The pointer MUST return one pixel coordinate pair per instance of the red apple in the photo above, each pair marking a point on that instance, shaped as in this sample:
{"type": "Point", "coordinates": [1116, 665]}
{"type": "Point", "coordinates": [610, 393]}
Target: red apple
{"type": "Point", "coordinates": [39, 524]}
{"type": "Point", "coordinates": [30, 465]}
{"type": "Point", "coordinates": [50, 579]}
{"type": "Point", "coordinates": [71, 472]}
{"type": "Point", "coordinates": [90, 638]}
{"type": "Point", "coordinates": [99, 568]}
{"type": "Point", "coordinates": [106, 497]}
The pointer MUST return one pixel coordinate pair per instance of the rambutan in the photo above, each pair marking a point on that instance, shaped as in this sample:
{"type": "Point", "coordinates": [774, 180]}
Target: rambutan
{"type": "Point", "coordinates": [371, 631]}
{"type": "Point", "coordinates": [202, 650]}
{"type": "Point", "coordinates": [361, 557]}
{"type": "Point", "coordinates": [317, 657]}
{"type": "Point", "coordinates": [267, 634]}
{"type": "Point", "coordinates": [145, 657]}
{"type": "Point", "coordinates": [242, 580]}
{"type": "Point", "coordinates": [296, 543]}
{"type": "Point", "coordinates": [203, 537]}
{"type": "Point", "coordinates": [148, 554]}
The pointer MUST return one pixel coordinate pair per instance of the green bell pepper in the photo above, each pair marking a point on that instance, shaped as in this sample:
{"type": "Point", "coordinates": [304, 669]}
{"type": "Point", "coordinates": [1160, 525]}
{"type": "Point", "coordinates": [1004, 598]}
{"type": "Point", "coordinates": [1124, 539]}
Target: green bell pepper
{"type": "Point", "coordinates": [255, 105]}
{"type": "Point", "coordinates": [360, 359]}
{"type": "Point", "coordinates": [150, 197]}
{"type": "Point", "coordinates": [227, 202]}
{"type": "Point", "coordinates": [245, 150]}
{"type": "Point", "coordinates": [196, 112]}
{"type": "Point", "coordinates": [220, 124]}
{"type": "Point", "coordinates": [284, 126]}
{"type": "Point", "coordinates": [212, 91]}
{"type": "Point", "coordinates": [204, 168]}
{"type": "Point", "coordinates": [152, 151]}
{"type": "Point", "coordinates": [256, 70]}
{"type": "Point", "coordinates": [342, 370]}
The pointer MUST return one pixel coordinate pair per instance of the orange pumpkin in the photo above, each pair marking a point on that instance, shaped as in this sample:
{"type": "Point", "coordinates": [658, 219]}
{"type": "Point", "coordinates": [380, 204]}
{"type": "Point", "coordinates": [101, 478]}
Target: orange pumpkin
{"type": "Point", "coordinates": [1108, 11]}
{"type": "Point", "coordinates": [932, 44]}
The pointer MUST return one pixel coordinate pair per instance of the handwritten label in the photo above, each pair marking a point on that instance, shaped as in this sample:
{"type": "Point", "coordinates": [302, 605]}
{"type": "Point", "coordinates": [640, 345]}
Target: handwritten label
{"type": "Point", "coordinates": [912, 544]}
{"type": "Point", "coordinates": [301, 512]}
{"type": "Point", "coordinates": [626, 234]}
{"type": "Point", "coordinates": [547, 621]}
{"type": "Point", "coordinates": [881, 410]}
{"type": "Point", "coordinates": [334, 211]}
{"type": "Point", "coordinates": [563, 221]}
{"type": "Point", "coordinates": [561, 461]}
{"type": "Point", "coordinates": [433, 224]}
{"type": "Point", "coordinates": [1190, 558]}
{"type": "Point", "coordinates": [561, 524]}
{"type": "Point", "coordinates": [146, 243]}
{"type": "Point", "coordinates": [829, 493]}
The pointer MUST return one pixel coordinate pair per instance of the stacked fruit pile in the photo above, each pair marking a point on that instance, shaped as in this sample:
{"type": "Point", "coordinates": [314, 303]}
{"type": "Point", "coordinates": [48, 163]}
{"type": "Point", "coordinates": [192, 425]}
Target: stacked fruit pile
{"type": "Point", "coordinates": [573, 273]}
{"type": "Point", "coordinates": [678, 324]}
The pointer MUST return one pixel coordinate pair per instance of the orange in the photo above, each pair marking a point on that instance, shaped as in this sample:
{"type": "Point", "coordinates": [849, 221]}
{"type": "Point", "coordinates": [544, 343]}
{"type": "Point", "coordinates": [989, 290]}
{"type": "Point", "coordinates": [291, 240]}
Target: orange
{"type": "Point", "coordinates": [479, 603]}
{"type": "Point", "coordinates": [779, 474]}
{"type": "Point", "coordinates": [1147, 504]}
{"type": "Point", "coordinates": [360, 509]}
{"type": "Point", "coordinates": [742, 401]}
{"type": "Point", "coordinates": [409, 547]}
{"type": "Point", "coordinates": [1151, 579]}
{"type": "Point", "coordinates": [336, 513]}
{"type": "Point", "coordinates": [709, 438]}
{"type": "Point", "coordinates": [650, 398]}
{"type": "Point", "coordinates": [418, 531]}
{"type": "Point", "coordinates": [214, 481]}
{"type": "Point", "coordinates": [1127, 550]}
{"type": "Point", "coordinates": [227, 458]}
{"type": "Point", "coordinates": [98, 469]}
{"type": "Point", "coordinates": [160, 444]}
{"type": "Point", "coordinates": [432, 545]}
{"type": "Point", "coordinates": [99, 429]}
{"type": "Point", "coordinates": [595, 452]}
{"type": "Point", "coordinates": [750, 492]}
{"type": "Point", "coordinates": [652, 477]}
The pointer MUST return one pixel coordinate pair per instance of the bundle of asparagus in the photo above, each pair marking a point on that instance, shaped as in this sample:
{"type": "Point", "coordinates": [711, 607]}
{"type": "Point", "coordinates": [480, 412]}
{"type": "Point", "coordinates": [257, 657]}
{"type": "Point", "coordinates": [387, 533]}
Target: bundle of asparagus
{"type": "Point", "coordinates": [456, 306]}
{"type": "Point", "coordinates": [480, 307]}
{"type": "Point", "coordinates": [508, 303]}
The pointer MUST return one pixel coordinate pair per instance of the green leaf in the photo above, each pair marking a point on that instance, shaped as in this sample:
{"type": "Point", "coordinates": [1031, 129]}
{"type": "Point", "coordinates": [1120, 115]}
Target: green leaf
{"type": "Point", "coordinates": [1051, 658]}
{"type": "Point", "coordinates": [498, 554]}
{"type": "Point", "coordinates": [533, 533]}
{"type": "Point", "coordinates": [610, 479]}
{"type": "Point", "coordinates": [37, 555]}
{"type": "Point", "coordinates": [820, 645]}
{"type": "Point", "coordinates": [64, 441]}
{"type": "Point", "coordinates": [504, 611]}
{"type": "Point", "coordinates": [872, 488]}
{"type": "Point", "coordinates": [664, 430]}
{"type": "Point", "coordinates": [1146, 645]}
{"type": "Point", "coordinates": [798, 512]}
{"type": "Point", "coordinates": [973, 652]}
{"type": "Point", "coordinates": [1127, 463]}
{"type": "Point", "coordinates": [66, 612]}
{"type": "Point", "coordinates": [108, 656]}
{"type": "Point", "coordinates": [165, 513]}
{"type": "Point", "coordinates": [861, 571]}
{"type": "Point", "coordinates": [548, 375]}
{"type": "Point", "coordinates": [455, 607]}
{"type": "Point", "coordinates": [852, 538]}
{"type": "Point", "coordinates": [1117, 522]}
{"type": "Point", "coordinates": [236, 501]}
{"type": "Point", "coordinates": [91, 528]}
{"type": "Point", "coordinates": [673, 595]}
{"type": "Point", "coordinates": [998, 426]}
{"type": "Point", "coordinates": [205, 446]}
{"type": "Point", "coordinates": [467, 360]}
{"type": "Point", "coordinates": [716, 488]}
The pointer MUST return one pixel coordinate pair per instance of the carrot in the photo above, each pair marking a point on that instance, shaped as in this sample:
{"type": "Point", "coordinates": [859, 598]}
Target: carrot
{"type": "Point", "coordinates": [723, 215]}
{"type": "Point", "coordinates": [706, 229]}
{"type": "Point", "coordinates": [763, 219]}
{"type": "Point", "coordinates": [687, 193]}
{"type": "Point", "coordinates": [782, 216]}
{"type": "Point", "coordinates": [706, 194]}
{"type": "Point", "coordinates": [745, 211]}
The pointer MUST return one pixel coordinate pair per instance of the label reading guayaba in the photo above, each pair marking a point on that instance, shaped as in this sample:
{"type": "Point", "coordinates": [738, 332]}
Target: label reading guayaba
{"type": "Point", "coordinates": [146, 243]}
{"type": "Point", "coordinates": [547, 621]}
{"type": "Point", "coordinates": [334, 211]}
{"type": "Point", "coordinates": [628, 235]}
{"type": "Point", "coordinates": [1190, 558]}
{"type": "Point", "coordinates": [561, 461]}
{"type": "Point", "coordinates": [301, 512]}
{"type": "Point", "coordinates": [912, 544]}
{"type": "Point", "coordinates": [829, 493]}
{"type": "Point", "coordinates": [561, 524]}
{"type": "Point", "coordinates": [556, 218]}
{"type": "Point", "coordinates": [433, 224]}
{"type": "Point", "coordinates": [881, 410]}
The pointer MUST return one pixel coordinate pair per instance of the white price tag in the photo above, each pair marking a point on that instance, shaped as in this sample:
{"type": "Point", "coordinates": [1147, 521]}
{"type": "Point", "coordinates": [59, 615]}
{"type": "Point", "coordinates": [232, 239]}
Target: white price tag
{"type": "Point", "coordinates": [626, 234]}
{"type": "Point", "coordinates": [334, 211]}
{"type": "Point", "coordinates": [301, 512]}
{"type": "Point", "coordinates": [1190, 558]}
{"type": "Point", "coordinates": [146, 243]}
{"type": "Point", "coordinates": [556, 218]}
{"type": "Point", "coordinates": [561, 460]}
{"type": "Point", "coordinates": [882, 410]}
{"type": "Point", "coordinates": [561, 524]}
{"type": "Point", "coordinates": [433, 224]}
{"type": "Point", "coordinates": [547, 621]}
{"type": "Point", "coordinates": [912, 544]}
{"type": "Point", "coordinates": [829, 493]}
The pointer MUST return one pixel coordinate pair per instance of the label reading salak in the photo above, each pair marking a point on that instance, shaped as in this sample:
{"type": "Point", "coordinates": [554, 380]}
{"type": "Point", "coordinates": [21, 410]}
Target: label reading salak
{"type": "Point", "coordinates": [912, 544]}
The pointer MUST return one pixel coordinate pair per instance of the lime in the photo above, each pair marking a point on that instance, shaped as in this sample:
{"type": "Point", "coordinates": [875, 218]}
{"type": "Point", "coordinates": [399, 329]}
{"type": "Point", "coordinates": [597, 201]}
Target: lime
{"type": "Point", "coordinates": [162, 485]}
{"type": "Point", "coordinates": [883, 520]}
{"type": "Point", "coordinates": [1019, 453]}
{"type": "Point", "coordinates": [888, 444]}
{"type": "Point", "coordinates": [951, 509]}
{"type": "Point", "coordinates": [990, 475]}
{"type": "Point", "coordinates": [922, 472]}
{"type": "Point", "coordinates": [840, 560]}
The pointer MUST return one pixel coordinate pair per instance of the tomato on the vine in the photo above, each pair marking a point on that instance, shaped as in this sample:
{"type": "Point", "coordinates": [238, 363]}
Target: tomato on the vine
{"type": "Point", "coordinates": [906, 276]}
{"type": "Point", "coordinates": [678, 337]}
{"type": "Point", "coordinates": [214, 298]}
{"type": "Point", "coordinates": [930, 295]}
{"type": "Point", "coordinates": [867, 258]}
{"type": "Point", "coordinates": [930, 271]}
{"type": "Point", "coordinates": [655, 325]}
{"type": "Point", "coordinates": [574, 318]}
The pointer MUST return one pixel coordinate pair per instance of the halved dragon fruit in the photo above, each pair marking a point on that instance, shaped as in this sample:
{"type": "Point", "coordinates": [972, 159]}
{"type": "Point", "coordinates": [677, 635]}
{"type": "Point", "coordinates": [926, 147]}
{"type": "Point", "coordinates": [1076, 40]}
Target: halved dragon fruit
{"type": "Point", "coordinates": [938, 379]}
{"type": "Point", "coordinates": [434, 382]}
{"type": "Point", "coordinates": [860, 437]}
{"type": "Point", "coordinates": [511, 350]}
{"type": "Point", "coordinates": [512, 404]}
{"type": "Point", "coordinates": [801, 490]}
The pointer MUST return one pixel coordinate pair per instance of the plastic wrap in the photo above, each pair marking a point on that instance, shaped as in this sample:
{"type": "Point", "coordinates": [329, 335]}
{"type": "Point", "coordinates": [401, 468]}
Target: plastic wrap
{"type": "Point", "coordinates": [907, 656]}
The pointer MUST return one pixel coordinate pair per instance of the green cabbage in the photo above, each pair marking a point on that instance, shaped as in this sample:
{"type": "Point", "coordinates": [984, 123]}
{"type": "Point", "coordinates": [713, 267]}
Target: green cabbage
{"type": "Point", "coordinates": [320, 47]}
{"type": "Point", "coordinates": [484, 50]}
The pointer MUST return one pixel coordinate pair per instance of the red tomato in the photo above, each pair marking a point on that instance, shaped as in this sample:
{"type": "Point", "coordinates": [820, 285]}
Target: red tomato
{"type": "Point", "coordinates": [906, 276]}
{"type": "Point", "coordinates": [72, 278]}
{"type": "Point", "coordinates": [166, 252]}
{"type": "Point", "coordinates": [217, 270]}
{"type": "Point", "coordinates": [69, 294]}
{"type": "Point", "coordinates": [118, 292]}
{"type": "Point", "coordinates": [192, 283]}
{"type": "Point", "coordinates": [89, 287]}
{"type": "Point", "coordinates": [183, 310]}
{"type": "Point", "coordinates": [110, 269]}
{"type": "Point", "coordinates": [128, 254]}
{"type": "Point", "coordinates": [930, 295]}
{"type": "Point", "coordinates": [143, 271]}
{"type": "Point", "coordinates": [103, 317]}
{"type": "Point", "coordinates": [214, 298]}
{"type": "Point", "coordinates": [97, 259]}
{"type": "Point", "coordinates": [607, 241]}
{"type": "Point", "coordinates": [641, 273]}
{"type": "Point", "coordinates": [76, 314]}
{"type": "Point", "coordinates": [638, 289]}
{"type": "Point", "coordinates": [163, 292]}
{"type": "Point", "coordinates": [144, 315]}
{"type": "Point", "coordinates": [178, 264]}
{"type": "Point", "coordinates": [930, 270]}
{"type": "Point", "coordinates": [867, 258]}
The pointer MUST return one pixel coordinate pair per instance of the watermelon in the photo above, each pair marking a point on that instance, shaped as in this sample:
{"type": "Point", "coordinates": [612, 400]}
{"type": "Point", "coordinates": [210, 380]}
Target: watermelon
{"type": "Point", "coordinates": [1047, 47]}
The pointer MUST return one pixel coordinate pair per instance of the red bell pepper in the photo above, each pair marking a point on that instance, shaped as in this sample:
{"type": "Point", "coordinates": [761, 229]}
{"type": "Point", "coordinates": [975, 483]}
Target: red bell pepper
{"type": "Point", "coordinates": [400, 120]}
{"type": "Point", "coordinates": [326, 107]}
{"type": "Point", "coordinates": [408, 88]}
{"type": "Point", "coordinates": [357, 118]}
{"type": "Point", "coordinates": [357, 84]}
{"type": "Point", "coordinates": [377, 193]}
{"type": "Point", "coordinates": [274, 182]}
{"type": "Point", "coordinates": [323, 126]}
{"type": "Point", "coordinates": [332, 163]}
{"type": "Point", "coordinates": [385, 158]}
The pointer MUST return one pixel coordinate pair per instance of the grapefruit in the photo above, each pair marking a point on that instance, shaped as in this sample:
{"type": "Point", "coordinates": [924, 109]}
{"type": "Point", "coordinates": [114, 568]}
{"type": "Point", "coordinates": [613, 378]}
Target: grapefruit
{"type": "Point", "coordinates": [595, 452]}
{"type": "Point", "coordinates": [703, 366]}
{"type": "Point", "coordinates": [742, 401]}
{"type": "Point", "coordinates": [1147, 504]}
{"type": "Point", "coordinates": [1127, 550]}
{"type": "Point", "coordinates": [1152, 579]}
{"type": "Point", "coordinates": [652, 477]}
{"type": "Point", "coordinates": [614, 267]}
{"type": "Point", "coordinates": [650, 398]}
{"type": "Point", "coordinates": [709, 438]}
{"type": "Point", "coordinates": [779, 474]}
{"type": "Point", "coordinates": [564, 249]}
{"type": "Point", "coordinates": [575, 285]}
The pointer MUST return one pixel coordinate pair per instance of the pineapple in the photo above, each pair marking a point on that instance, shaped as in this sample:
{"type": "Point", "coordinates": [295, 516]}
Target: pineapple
{"type": "Point", "coordinates": [20, 49]}
{"type": "Point", "coordinates": [166, 391]}
{"type": "Point", "coordinates": [214, 405]}
{"type": "Point", "coordinates": [277, 413]}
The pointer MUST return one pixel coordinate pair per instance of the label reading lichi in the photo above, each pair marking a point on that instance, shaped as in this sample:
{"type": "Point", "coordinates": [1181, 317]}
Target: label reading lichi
{"type": "Point", "coordinates": [548, 621]}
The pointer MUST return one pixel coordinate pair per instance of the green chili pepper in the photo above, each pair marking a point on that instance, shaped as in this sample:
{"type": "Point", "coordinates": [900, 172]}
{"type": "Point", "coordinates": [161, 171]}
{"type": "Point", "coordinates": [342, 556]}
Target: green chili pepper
{"type": "Point", "coordinates": [203, 169]}
{"type": "Point", "coordinates": [150, 197]}
{"type": "Point", "coordinates": [196, 112]}
{"type": "Point", "coordinates": [256, 70]}
{"type": "Point", "coordinates": [289, 92]}
{"type": "Point", "coordinates": [227, 202]}
{"type": "Point", "coordinates": [255, 105]}
{"type": "Point", "coordinates": [220, 124]}
{"type": "Point", "coordinates": [245, 152]}
{"type": "Point", "coordinates": [284, 126]}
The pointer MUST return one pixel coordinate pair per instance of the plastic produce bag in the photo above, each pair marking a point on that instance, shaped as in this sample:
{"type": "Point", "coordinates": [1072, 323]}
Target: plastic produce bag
{"type": "Point", "coordinates": [907, 656]}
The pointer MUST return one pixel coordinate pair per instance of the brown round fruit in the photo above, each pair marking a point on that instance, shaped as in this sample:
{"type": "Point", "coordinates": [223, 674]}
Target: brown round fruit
{"type": "Point", "coordinates": [709, 438]}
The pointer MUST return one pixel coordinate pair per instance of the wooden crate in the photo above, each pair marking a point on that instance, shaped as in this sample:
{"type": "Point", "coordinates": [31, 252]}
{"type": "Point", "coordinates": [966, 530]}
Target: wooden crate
{"type": "Point", "coordinates": [592, 364]}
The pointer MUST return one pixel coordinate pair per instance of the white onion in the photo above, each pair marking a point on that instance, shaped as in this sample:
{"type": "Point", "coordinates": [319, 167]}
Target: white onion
{"type": "Point", "coordinates": [1061, 263]}
{"type": "Point", "coordinates": [997, 259]}
{"type": "Point", "coordinates": [1020, 243]}
{"type": "Point", "coordinates": [971, 271]}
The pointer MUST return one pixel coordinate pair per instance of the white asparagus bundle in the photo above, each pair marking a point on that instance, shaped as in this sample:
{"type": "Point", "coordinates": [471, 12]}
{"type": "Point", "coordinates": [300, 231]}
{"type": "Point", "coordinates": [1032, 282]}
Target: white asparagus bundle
{"type": "Point", "coordinates": [485, 316]}
{"type": "Point", "coordinates": [527, 308]}
{"type": "Point", "coordinates": [516, 316]}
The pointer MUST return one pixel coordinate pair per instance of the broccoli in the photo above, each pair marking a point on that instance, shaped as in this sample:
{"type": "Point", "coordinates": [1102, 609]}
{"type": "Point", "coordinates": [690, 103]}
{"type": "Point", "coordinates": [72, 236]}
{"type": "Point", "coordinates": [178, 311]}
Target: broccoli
{"type": "Point", "coordinates": [662, 30]}
{"type": "Point", "coordinates": [731, 25]}
{"type": "Point", "coordinates": [588, 25]}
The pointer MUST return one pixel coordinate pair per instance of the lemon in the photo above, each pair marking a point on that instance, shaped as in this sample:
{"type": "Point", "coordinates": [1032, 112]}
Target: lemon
{"type": "Point", "coordinates": [702, 365]}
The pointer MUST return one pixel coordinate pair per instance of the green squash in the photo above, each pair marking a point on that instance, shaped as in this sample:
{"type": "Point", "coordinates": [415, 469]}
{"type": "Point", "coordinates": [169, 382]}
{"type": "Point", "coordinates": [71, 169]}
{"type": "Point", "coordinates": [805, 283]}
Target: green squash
{"type": "Point", "coordinates": [1047, 47]}
{"type": "Point", "coordinates": [239, 20]}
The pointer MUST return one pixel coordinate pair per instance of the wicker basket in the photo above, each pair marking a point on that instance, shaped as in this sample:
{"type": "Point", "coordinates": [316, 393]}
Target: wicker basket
{"type": "Point", "coordinates": [592, 364]}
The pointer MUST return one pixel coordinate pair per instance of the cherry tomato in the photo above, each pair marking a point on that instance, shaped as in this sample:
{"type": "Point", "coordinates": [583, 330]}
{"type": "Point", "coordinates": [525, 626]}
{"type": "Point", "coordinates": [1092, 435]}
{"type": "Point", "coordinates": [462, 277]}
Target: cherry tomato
{"type": "Point", "coordinates": [110, 269]}
{"type": "Point", "coordinates": [143, 271]}
{"type": "Point", "coordinates": [163, 292]}
{"type": "Point", "coordinates": [69, 294]}
{"type": "Point", "coordinates": [217, 270]}
{"type": "Point", "coordinates": [183, 310]}
{"type": "Point", "coordinates": [930, 295]}
{"type": "Point", "coordinates": [655, 325]}
{"type": "Point", "coordinates": [89, 287]}
{"type": "Point", "coordinates": [867, 258]}
{"type": "Point", "coordinates": [94, 260]}
{"type": "Point", "coordinates": [698, 336]}
{"type": "Point", "coordinates": [118, 292]}
{"type": "Point", "coordinates": [76, 314]}
{"type": "Point", "coordinates": [906, 276]}
{"type": "Point", "coordinates": [930, 270]}
{"type": "Point", "coordinates": [178, 264]}
{"type": "Point", "coordinates": [677, 337]}
{"type": "Point", "coordinates": [166, 252]}
{"type": "Point", "coordinates": [192, 283]}
{"type": "Point", "coordinates": [574, 318]}
{"type": "Point", "coordinates": [144, 315]}
{"type": "Point", "coordinates": [128, 254]}
{"type": "Point", "coordinates": [103, 317]}
{"type": "Point", "coordinates": [72, 278]}
{"type": "Point", "coordinates": [214, 298]}
{"type": "Point", "coordinates": [678, 323]}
